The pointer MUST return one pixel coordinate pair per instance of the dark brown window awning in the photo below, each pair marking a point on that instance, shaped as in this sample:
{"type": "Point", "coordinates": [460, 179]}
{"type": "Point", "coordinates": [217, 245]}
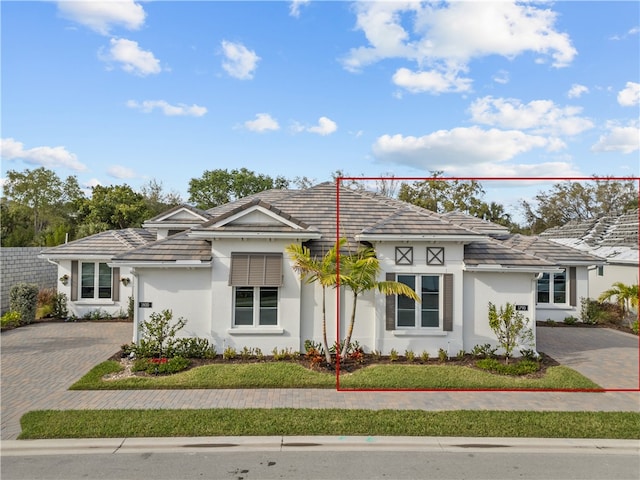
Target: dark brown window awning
{"type": "Point", "coordinates": [256, 270]}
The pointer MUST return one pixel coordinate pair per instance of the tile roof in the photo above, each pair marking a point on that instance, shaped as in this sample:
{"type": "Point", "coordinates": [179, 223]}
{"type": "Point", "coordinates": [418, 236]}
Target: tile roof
{"type": "Point", "coordinates": [544, 248]}
{"type": "Point", "coordinates": [177, 248]}
{"type": "Point", "coordinates": [477, 224]}
{"type": "Point", "coordinates": [493, 252]}
{"type": "Point", "coordinates": [104, 244]}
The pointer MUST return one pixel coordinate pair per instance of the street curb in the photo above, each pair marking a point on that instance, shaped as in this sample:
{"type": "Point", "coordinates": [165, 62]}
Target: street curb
{"type": "Point", "coordinates": [319, 443]}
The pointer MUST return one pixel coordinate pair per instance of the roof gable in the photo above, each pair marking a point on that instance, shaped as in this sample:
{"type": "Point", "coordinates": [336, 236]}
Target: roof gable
{"type": "Point", "coordinates": [181, 215]}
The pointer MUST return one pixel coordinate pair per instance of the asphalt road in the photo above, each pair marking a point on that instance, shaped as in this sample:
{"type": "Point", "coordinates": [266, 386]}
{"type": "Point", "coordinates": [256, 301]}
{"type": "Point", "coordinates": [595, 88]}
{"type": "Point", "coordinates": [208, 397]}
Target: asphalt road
{"type": "Point", "coordinates": [246, 458]}
{"type": "Point", "coordinates": [370, 465]}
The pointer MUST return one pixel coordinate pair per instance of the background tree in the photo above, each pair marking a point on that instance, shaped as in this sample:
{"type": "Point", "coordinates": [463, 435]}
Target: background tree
{"type": "Point", "coordinates": [115, 207]}
{"type": "Point", "coordinates": [579, 201]}
{"type": "Point", "coordinates": [38, 208]}
{"type": "Point", "coordinates": [157, 200]}
{"type": "Point", "coordinates": [441, 195]}
{"type": "Point", "coordinates": [216, 187]}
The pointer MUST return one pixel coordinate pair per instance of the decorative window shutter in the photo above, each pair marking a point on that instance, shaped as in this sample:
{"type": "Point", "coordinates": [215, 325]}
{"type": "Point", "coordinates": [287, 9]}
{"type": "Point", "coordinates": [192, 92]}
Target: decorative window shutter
{"type": "Point", "coordinates": [74, 280]}
{"type": "Point", "coordinates": [390, 307]}
{"type": "Point", "coordinates": [572, 287]}
{"type": "Point", "coordinates": [447, 301]}
{"type": "Point", "coordinates": [256, 270]}
{"type": "Point", "coordinates": [115, 284]}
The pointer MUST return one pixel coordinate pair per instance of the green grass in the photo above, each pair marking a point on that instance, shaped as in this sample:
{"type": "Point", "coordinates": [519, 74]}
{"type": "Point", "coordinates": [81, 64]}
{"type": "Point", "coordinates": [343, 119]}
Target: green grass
{"type": "Point", "coordinates": [262, 422]}
{"type": "Point", "coordinates": [291, 375]}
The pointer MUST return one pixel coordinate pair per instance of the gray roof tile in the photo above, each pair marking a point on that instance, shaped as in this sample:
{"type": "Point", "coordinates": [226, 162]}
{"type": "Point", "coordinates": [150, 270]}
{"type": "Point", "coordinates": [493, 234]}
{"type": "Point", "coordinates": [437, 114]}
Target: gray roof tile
{"type": "Point", "coordinates": [107, 243]}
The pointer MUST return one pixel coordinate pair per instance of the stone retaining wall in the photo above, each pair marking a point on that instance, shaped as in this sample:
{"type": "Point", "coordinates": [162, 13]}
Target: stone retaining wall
{"type": "Point", "coordinates": [21, 264]}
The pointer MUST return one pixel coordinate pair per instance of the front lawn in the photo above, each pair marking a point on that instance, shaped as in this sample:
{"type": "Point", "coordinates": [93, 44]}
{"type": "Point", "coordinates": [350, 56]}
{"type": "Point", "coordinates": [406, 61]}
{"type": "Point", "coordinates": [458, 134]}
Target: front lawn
{"type": "Point", "coordinates": [293, 375]}
{"type": "Point", "coordinates": [287, 421]}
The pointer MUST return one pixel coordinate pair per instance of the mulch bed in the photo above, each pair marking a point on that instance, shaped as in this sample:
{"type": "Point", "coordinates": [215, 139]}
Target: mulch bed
{"type": "Point", "coordinates": [350, 366]}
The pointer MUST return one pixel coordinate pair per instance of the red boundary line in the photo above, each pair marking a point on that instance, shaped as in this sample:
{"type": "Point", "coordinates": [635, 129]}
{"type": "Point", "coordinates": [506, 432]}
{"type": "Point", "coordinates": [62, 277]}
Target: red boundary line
{"type": "Point", "coordinates": [338, 181]}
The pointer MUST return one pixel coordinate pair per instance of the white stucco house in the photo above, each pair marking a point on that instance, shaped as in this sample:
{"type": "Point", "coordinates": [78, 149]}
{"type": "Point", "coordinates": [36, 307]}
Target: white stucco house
{"type": "Point", "coordinates": [613, 238]}
{"type": "Point", "coordinates": [225, 270]}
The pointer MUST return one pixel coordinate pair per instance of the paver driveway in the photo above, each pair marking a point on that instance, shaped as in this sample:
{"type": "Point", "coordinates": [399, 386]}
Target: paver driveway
{"type": "Point", "coordinates": [41, 361]}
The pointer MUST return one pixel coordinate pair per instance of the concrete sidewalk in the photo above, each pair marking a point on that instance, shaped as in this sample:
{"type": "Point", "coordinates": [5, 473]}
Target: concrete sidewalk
{"type": "Point", "coordinates": [41, 361]}
{"type": "Point", "coordinates": [318, 443]}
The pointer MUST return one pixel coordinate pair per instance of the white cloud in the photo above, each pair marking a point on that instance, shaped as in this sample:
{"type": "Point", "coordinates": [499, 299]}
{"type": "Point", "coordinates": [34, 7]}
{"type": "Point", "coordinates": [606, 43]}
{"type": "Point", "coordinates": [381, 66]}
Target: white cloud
{"type": "Point", "coordinates": [240, 61]}
{"type": "Point", "coordinates": [294, 7]}
{"type": "Point", "coordinates": [459, 147]}
{"type": "Point", "coordinates": [131, 57]}
{"type": "Point", "coordinates": [501, 77]}
{"type": "Point", "coordinates": [540, 116]}
{"type": "Point", "coordinates": [431, 81]}
{"type": "Point", "coordinates": [577, 90]}
{"type": "Point", "coordinates": [120, 172]}
{"type": "Point", "coordinates": [50, 157]}
{"type": "Point", "coordinates": [100, 16]}
{"type": "Point", "coordinates": [180, 109]}
{"type": "Point", "coordinates": [630, 32]}
{"type": "Point", "coordinates": [325, 126]}
{"type": "Point", "coordinates": [263, 123]}
{"type": "Point", "coordinates": [623, 139]}
{"type": "Point", "coordinates": [630, 95]}
{"type": "Point", "coordinates": [446, 37]}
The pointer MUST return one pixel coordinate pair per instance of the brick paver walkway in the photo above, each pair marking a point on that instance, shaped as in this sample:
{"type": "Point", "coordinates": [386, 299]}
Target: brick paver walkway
{"type": "Point", "coordinates": [39, 363]}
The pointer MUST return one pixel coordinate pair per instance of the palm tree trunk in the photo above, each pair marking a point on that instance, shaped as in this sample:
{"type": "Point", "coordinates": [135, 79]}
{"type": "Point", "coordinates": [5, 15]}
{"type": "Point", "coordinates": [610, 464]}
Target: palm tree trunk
{"type": "Point", "coordinates": [347, 340]}
{"type": "Point", "coordinates": [325, 344]}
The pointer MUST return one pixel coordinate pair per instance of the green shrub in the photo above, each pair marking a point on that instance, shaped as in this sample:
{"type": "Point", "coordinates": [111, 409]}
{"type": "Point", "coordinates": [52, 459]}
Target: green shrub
{"type": "Point", "coordinates": [393, 355]}
{"type": "Point", "coordinates": [570, 320]}
{"type": "Point", "coordinates": [60, 306]}
{"type": "Point", "coordinates": [442, 355]}
{"type": "Point", "coordinates": [23, 298]}
{"type": "Point", "coordinates": [634, 327]}
{"type": "Point", "coordinates": [588, 311]}
{"type": "Point", "coordinates": [522, 367]}
{"type": "Point", "coordinates": [484, 351]}
{"type": "Point", "coordinates": [192, 347]}
{"type": "Point", "coordinates": [10, 319]}
{"type": "Point", "coordinates": [529, 354]}
{"type": "Point", "coordinates": [229, 353]}
{"type": "Point", "coordinates": [410, 355]}
{"type": "Point", "coordinates": [159, 333]}
{"type": "Point", "coordinates": [160, 366]}
{"type": "Point", "coordinates": [424, 356]}
{"type": "Point", "coordinates": [510, 327]}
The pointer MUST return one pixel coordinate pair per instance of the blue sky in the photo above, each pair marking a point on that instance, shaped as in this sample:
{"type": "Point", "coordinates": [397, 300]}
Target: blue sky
{"type": "Point", "coordinates": [123, 92]}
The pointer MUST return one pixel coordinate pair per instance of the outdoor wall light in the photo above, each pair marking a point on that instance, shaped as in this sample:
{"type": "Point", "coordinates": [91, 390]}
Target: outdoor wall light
{"type": "Point", "coordinates": [125, 281]}
{"type": "Point", "coordinates": [64, 279]}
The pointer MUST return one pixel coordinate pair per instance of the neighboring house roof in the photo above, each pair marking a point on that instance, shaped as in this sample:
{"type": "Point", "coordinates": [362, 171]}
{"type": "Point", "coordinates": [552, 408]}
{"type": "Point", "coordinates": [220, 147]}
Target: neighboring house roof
{"type": "Point", "coordinates": [543, 248]}
{"type": "Point", "coordinates": [613, 238]}
{"type": "Point", "coordinates": [103, 245]}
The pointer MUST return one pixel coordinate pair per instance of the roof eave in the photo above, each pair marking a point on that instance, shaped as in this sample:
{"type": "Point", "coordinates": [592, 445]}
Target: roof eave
{"type": "Point", "coordinates": [156, 264]}
{"type": "Point", "coordinates": [302, 234]}
{"type": "Point", "coordinates": [511, 269]}
{"type": "Point", "coordinates": [395, 237]}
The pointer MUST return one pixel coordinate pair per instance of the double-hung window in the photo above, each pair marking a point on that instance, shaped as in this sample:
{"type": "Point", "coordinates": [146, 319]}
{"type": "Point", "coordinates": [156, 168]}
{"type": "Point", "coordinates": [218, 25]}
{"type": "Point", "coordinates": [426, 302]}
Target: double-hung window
{"type": "Point", "coordinates": [95, 281]}
{"type": "Point", "coordinates": [426, 314]}
{"type": "Point", "coordinates": [552, 288]}
{"type": "Point", "coordinates": [255, 278]}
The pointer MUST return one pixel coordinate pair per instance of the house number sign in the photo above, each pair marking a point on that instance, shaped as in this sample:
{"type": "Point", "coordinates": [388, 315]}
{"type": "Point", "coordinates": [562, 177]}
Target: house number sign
{"type": "Point", "coordinates": [145, 304]}
{"type": "Point", "coordinates": [522, 308]}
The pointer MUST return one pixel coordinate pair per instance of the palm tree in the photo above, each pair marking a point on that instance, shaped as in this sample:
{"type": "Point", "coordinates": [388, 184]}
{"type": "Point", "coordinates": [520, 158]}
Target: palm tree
{"type": "Point", "coordinates": [322, 271]}
{"type": "Point", "coordinates": [360, 273]}
{"type": "Point", "coordinates": [627, 296]}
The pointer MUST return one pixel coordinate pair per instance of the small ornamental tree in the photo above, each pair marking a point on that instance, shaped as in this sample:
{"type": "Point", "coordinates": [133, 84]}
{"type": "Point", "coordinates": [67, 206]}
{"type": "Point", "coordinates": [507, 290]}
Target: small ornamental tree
{"type": "Point", "coordinates": [510, 327]}
{"type": "Point", "coordinates": [159, 332]}
{"type": "Point", "coordinates": [23, 298]}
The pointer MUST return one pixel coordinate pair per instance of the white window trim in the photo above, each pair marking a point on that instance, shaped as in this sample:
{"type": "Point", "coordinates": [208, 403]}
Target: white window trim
{"type": "Point", "coordinates": [551, 303]}
{"type": "Point", "coordinates": [95, 300]}
{"type": "Point", "coordinates": [418, 329]}
{"type": "Point", "coordinates": [256, 327]}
